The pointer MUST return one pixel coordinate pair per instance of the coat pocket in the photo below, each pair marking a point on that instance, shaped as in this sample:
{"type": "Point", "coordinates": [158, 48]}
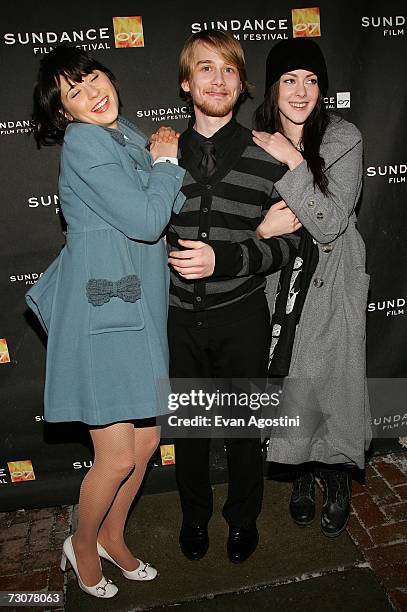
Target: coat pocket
{"type": "Point", "coordinates": [116, 316]}
{"type": "Point", "coordinates": [355, 301]}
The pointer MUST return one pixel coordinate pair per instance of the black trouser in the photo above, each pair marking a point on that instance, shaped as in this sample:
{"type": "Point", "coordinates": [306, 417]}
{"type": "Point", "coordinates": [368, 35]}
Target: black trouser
{"type": "Point", "coordinates": [230, 342]}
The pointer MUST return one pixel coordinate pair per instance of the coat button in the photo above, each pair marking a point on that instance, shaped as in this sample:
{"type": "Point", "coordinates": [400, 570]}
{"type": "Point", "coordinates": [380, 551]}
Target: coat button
{"type": "Point", "coordinates": [327, 248]}
{"type": "Point", "coordinates": [311, 203]}
{"type": "Point", "coordinates": [320, 215]}
{"type": "Point", "coordinates": [204, 235]}
{"type": "Point", "coordinates": [198, 298]}
{"type": "Point", "coordinates": [199, 323]}
{"type": "Point", "coordinates": [318, 282]}
{"type": "Point", "coordinates": [205, 210]}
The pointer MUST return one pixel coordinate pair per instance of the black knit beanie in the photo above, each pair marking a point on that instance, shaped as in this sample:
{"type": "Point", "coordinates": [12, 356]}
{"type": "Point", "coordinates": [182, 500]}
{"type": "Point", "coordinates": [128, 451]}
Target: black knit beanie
{"type": "Point", "coordinates": [296, 54]}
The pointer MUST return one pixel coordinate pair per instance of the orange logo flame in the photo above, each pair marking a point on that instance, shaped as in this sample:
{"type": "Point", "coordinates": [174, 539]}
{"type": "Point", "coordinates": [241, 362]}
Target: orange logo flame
{"type": "Point", "coordinates": [306, 22]}
{"type": "Point", "coordinates": [128, 32]}
{"type": "Point", "coordinates": [21, 471]}
{"type": "Point", "coordinates": [4, 354]}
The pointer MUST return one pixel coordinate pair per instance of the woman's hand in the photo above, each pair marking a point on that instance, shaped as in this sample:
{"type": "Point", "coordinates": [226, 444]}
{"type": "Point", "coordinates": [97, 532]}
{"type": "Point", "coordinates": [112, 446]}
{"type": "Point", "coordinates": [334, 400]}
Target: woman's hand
{"type": "Point", "coordinates": [279, 147]}
{"type": "Point", "coordinates": [279, 220]}
{"type": "Point", "coordinates": [164, 143]}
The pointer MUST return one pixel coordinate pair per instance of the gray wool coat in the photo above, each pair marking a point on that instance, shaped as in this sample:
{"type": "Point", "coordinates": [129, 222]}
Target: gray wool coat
{"type": "Point", "coordinates": [326, 387]}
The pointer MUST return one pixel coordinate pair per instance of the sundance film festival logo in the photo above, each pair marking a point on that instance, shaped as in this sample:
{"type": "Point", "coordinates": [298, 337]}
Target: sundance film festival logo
{"type": "Point", "coordinates": [393, 173]}
{"type": "Point", "coordinates": [91, 39]}
{"type": "Point", "coordinates": [390, 422]}
{"type": "Point", "coordinates": [306, 22]}
{"type": "Point", "coordinates": [21, 471]}
{"type": "Point", "coordinates": [389, 26]}
{"type": "Point", "coordinates": [44, 200]}
{"type": "Point", "coordinates": [248, 29]}
{"type": "Point", "coordinates": [28, 278]}
{"type": "Point", "coordinates": [392, 307]}
{"type": "Point", "coordinates": [340, 100]}
{"type": "Point", "coordinates": [164, 114]}
{"type": "Point", "coordinates": [23, 126]}
{"type": "Point", "coordinates": [128, 32]}
{"type": "Point", "coordinates": [80, 465]}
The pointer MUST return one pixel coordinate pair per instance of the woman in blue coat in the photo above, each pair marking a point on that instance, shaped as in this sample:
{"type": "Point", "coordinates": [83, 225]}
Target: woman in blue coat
{"type": "Point", "coordinates": [103, 301]}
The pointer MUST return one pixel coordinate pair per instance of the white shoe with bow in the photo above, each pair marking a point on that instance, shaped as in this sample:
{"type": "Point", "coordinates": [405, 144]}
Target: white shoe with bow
{"type": "Point", "coordinates": [103, 589]}
{"type": "Point", "coordinates": [143, 572]}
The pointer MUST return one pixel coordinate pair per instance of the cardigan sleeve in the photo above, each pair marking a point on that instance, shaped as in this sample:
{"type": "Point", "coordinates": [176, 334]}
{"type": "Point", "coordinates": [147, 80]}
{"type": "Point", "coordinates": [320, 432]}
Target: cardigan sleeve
{"type": "Point", "coordinates": [141, 211]}
{"type": "Point", "coordinates": [327, 217]}
{"type": "Point", "coordinates": [255, 255]}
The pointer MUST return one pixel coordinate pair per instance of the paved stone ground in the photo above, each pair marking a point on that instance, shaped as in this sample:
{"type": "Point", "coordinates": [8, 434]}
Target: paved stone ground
{"type": "Point", "coordinates": [30, 550]}
{"type": "Point", "coordinates": [30, 541]}
{"type": "Point", "coordinates": [378, 523]}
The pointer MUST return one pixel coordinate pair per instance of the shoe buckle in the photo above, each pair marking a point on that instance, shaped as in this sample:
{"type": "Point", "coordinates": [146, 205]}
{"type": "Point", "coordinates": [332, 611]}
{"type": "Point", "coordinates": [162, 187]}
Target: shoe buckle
{"type": "Point", "coordinates": [103, 588]}
{"type": "Point", "coordinates": [143, 572]}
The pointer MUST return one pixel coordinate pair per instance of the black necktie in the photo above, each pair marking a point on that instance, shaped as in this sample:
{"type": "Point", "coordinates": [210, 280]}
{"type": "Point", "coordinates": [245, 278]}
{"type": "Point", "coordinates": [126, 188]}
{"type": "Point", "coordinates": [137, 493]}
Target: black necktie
{"type": "Point", "coordinates": [207, 165]}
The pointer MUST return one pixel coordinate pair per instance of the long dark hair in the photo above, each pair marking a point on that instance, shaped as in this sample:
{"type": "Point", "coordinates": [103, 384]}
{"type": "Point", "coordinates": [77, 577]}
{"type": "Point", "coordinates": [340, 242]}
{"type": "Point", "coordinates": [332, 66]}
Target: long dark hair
{"type": "Point", "coordinates": [49, 121]}
{"type": "Point", "coordinates": [267, 119]}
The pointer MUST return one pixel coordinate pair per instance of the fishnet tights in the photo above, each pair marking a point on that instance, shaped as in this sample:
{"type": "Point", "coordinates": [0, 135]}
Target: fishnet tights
{"type": "Point", "coordinates": [121, 453]}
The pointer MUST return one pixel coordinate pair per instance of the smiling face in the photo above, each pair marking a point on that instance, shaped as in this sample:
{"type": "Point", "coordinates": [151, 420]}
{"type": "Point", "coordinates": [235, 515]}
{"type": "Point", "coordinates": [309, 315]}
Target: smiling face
{"type": "Point", "coordinates": [93, 100]}
{"type": "Point", "coordinates": [297, 96]}
{"type": "Point", "coordinates": [214, 84]}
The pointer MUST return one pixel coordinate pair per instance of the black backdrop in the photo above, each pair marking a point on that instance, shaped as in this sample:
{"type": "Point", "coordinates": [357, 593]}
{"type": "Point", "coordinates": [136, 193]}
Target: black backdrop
{"type": "Point", "coordinates": [364, 44]}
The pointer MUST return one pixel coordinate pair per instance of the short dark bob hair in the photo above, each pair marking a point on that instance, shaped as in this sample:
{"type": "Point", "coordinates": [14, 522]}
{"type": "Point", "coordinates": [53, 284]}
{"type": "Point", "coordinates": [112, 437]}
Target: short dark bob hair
{"type": "Point", "coordinates": [49, 121]}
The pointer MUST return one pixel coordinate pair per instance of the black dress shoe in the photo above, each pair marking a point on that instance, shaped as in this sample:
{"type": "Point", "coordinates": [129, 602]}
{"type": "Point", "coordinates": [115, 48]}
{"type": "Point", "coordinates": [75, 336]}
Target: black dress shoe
{"type": "Point", "coordinates": [194, 541]}
{"type": "Point", "coordinates": [242, 542]}
{"type": "Point", "coordinates": [337, 485]}
{"type": "Point", "coordinates": [302, 502]}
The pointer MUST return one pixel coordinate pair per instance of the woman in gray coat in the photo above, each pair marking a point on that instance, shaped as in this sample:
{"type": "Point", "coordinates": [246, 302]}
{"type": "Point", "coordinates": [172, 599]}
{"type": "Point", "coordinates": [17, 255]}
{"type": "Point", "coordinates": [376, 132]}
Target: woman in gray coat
{"type": "Point", "coordinates": [103, 301]}
{"type": "Point", "coordinates": [319, 316]}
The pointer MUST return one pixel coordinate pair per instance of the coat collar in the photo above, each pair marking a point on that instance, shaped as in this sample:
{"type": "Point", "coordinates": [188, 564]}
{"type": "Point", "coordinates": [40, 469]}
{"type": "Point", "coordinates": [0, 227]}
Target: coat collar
{"type": "Point", "coordinates": [118, 134]}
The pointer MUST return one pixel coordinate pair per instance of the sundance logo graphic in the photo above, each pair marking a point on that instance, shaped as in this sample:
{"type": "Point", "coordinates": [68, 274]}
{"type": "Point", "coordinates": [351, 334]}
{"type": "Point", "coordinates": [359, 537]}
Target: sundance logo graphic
{"type": "Point", "coordinates": [392, 307]}
{"type": "Point", "coordinates": [91, 39]}
{"type": "Point", "coordinates": [44, 200]}
{"type": "Point", "coordinates": [248, 29]}
{"type": "Point", "coordinates": [168, 113]}
{"type": "Point", "coordinates": [4, 354]}
{"type": "Point", "coordinates": [128, 32]}
{"type": "Point", "coordinates": [23, 126]}
{"type": "Point", "coordinates": [306, 22]}
{"type": "Point", "coordinates": [392, 25]}
{"type": "Point", "coordinates": [394, 173]}
{"type": "Point", "coordinates": [21, 471]}
{"type": "Point", "coordinates": [29, 278]}
{"type": "Point", "coordinates": [341, 100]}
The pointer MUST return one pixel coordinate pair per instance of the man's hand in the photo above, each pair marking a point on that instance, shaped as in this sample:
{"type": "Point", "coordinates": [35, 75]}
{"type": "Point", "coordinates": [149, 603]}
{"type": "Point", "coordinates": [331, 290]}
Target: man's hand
{"type": "Point", "coordinates": [197, 261]}
{"type": "Point", "coordinates": [279, 220]}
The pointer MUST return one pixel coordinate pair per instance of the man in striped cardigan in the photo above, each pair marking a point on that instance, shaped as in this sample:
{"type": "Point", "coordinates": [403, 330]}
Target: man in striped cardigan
{"type": "Point", "coordinates": [219, 322]}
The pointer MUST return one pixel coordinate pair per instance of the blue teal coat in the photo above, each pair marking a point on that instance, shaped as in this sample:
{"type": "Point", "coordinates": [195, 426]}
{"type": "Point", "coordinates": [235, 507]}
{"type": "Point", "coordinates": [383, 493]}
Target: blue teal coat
{"type": "Point", "coordinates": [105, 363]}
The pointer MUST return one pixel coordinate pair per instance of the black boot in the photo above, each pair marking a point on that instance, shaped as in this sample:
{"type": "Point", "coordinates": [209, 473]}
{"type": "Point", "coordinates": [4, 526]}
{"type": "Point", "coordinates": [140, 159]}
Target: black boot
{"type": "Point", "coordinates": [337, 483]}
{"type": "Point", "coordinates": [302, 502]}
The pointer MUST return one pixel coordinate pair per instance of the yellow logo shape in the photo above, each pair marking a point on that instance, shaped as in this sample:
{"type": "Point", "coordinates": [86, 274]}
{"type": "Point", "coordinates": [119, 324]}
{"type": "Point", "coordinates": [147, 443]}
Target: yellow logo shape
{"type": "Point", "coordinates": [167, 454]}
{"type": "Point", "coordinates": [306, 22]}
{"type": "Point", "coordinates": [128, 32]}
{"type": "Point", "coordinates": [4, 354]}
{"type": "Point", "coordinates": [21, 471]}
